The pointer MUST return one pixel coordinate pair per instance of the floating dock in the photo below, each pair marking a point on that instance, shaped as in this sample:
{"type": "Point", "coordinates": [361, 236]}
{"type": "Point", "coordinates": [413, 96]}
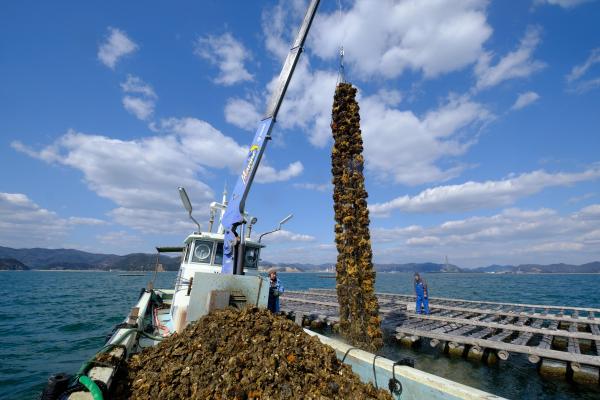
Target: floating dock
{"type": "Point", "coordinates": [562, 341]}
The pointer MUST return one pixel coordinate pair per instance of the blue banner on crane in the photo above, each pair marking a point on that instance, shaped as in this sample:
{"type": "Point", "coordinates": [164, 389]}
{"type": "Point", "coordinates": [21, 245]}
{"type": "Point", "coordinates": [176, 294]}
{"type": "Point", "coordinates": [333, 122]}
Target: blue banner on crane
{"type": "Point", "coordinates": [234, 214]}
{"type": "Point", "coordinates": [235, 207]}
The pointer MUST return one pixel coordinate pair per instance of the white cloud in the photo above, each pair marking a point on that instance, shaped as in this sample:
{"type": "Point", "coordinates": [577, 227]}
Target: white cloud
{"type": "Point", "coordinates": [516, 64]}
{"type": "Point", "coordinates": [481, 195]}
{"type": "Point", "coordinates": [525, 99]}
{"type": "Point", "coordinates": [135, 85]}
{"type": "Point", "coordinates": [319, 187]}
{"type": "Point", "coordinates": [287, 236]}
{"type": "Point", "coordinates": [23, 223]}
{"type": "Point", "coordinates": [577, 199]}
{"type": "Point", "coordinates": [590, 212]}
{"type": "Point", "coordinates": [118, 238]}
{"type": "Point", "coordinates": [242, 113]}
{"type": "Point", "coordinates": [405, 148]}
{"type": "Point", "coordinates": [86, 221]}
{"type": "Point", "coordinates": [512, 236]}
{"type": "Point", "coordinates": [277, 27]}
{"type": "Point", "coordinates": [423, 241]}
{"type": "Point", "coordinates": [398, 144]}
{"type": "Point", "coordinates": [574, 79]}
{"type": "Point", "coordinates": [141, 108]}
{"type": "Point", "coordinates": [141, 176]}
{"type": "Point", "coordinates": [267, 174]}
{"type": "Point", "coordinates": [141, 98]}
{"type": "Point", "coordinates": [116, 45]}
{"type": "Point", "coordinates": [228, 54]}
{"type": "Point", "coordinates": [563, 3]}
{"type": "Point", "coordinates": [385, 38]}
{"type": "Point", "coordinates": [308, 103]}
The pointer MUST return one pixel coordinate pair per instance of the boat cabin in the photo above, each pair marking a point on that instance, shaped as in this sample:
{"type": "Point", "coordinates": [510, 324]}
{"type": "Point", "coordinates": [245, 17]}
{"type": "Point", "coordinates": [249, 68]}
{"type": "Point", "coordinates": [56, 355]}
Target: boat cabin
{"type": "Point", "coordinates": [204, 252]}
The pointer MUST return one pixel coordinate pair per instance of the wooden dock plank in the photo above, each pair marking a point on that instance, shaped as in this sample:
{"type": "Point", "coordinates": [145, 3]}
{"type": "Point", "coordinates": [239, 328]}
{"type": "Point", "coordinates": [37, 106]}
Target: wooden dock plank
{"type": "Point", "coordinates": [487, 330]}
{"type": "Point", "coordinates": [478, 324]}
{"type": "Point", "coordinates": [540, 306]}
{"type": "Point", "coordinates": [494, 307]}
{"type": "Point", "coordinates": [596, 331]}
{"type": "Point", "coordinates": [545, 342]}
{"type": "Point", "coordinates": [520, 328]}
{"type": "Point", "coordinates": [573, 345]}
{"type": "Point", "coordinates": [483, 343]}
{"type": "Point", "coordinates": [525, 336]}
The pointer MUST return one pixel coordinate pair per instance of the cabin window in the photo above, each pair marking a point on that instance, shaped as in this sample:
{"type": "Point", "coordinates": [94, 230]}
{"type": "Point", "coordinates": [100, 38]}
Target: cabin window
{"type": "Point", "coordinates": [202, 251]}
{"type": "Point", "coordinates": [251, 260]}
{"type": "Point", "coordinates": [219, 254]}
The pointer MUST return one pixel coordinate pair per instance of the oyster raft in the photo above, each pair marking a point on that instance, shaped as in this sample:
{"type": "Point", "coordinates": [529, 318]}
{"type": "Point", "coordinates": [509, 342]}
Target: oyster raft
{"type": "Point", "coordinates": [247, 354]}
{"type": "Point", "coordinates": [360, 323]}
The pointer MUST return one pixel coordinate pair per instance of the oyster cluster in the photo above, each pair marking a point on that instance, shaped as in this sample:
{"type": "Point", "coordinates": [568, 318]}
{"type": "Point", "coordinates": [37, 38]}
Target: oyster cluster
{"type": "Point", "coordinates": [242, 354]}
{"type": "Point", "coordinates": [359, 310]}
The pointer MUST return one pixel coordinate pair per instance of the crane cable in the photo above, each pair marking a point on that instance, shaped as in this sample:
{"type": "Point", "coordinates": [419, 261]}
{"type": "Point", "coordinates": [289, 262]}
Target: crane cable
{"type": "Point", "coordinates": [341, 70]}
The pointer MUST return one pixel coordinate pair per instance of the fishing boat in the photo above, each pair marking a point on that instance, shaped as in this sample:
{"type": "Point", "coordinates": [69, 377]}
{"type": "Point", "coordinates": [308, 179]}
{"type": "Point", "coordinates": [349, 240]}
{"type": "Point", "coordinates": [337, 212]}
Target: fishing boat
{"type": "Point", "coordinates": [200, 287]}
{"type": "Point", "coordinates": [220, 269]}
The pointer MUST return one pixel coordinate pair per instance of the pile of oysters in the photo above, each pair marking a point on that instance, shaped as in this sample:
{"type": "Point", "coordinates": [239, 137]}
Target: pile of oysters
{"type": "Point", "coordinates": [241, 354]}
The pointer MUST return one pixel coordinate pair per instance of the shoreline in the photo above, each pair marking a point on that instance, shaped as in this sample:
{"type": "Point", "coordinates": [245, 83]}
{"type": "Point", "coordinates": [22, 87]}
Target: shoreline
{"type": "Point", "coordinates": [316, 272]}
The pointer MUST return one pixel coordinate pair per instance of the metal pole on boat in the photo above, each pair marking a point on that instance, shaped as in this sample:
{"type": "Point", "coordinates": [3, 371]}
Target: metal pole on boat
{"type": "Point", "coordinates": [188, 205]}
{"type": "Point", "coordinates": [283, 221]}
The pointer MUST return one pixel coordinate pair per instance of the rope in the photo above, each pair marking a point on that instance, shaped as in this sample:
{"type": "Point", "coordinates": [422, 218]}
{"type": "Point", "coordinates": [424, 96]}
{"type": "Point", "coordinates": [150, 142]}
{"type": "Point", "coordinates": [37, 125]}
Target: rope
{"type": "Point", "coordinates": [374, 372]}
{"type": "Point", "coordinates": [348, 351]}
{"type": "Point", "coordinates": [374, 358]}
{"type": "Point", "coordinates": [341, 69]}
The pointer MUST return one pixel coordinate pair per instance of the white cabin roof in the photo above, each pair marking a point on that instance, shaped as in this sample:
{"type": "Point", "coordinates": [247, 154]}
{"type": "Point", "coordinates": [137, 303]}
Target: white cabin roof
{"type": "Point", "coordinates": [216, 237]}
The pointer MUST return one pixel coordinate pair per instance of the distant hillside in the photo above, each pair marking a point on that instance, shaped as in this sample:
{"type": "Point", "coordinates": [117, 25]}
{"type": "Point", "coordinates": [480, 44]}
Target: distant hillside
{"type": "Point", "coordinates": [417, 267]}
{"type": "Point", "coordinates": [10, 264]}
{"type": "Point", "coordinates": [592, 267]}
{"type": "Point", "coordinates": [61, 259]}
{"type": "Point", "coordinates": [411, 267]}
{"type": "Point", "coordinates": [294, 267]}
{"type": "Point", "coordinates": [493, 268]}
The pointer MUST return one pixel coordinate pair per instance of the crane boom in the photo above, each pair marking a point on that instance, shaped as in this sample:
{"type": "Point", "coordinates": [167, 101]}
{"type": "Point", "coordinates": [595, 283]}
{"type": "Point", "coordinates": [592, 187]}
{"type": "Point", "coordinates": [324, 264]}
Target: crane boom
{"type": "Point", "coordinates": [233, 242]}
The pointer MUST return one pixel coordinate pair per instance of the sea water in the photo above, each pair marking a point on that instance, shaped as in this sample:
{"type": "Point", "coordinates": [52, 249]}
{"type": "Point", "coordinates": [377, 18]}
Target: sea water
{"type": "Point", "coordinates": [53, 321]}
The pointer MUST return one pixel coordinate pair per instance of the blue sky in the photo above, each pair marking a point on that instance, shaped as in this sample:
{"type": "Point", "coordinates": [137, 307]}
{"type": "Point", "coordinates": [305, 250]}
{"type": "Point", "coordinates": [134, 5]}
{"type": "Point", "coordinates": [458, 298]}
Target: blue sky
{"type": "Point", "coordinates": [480, 121]}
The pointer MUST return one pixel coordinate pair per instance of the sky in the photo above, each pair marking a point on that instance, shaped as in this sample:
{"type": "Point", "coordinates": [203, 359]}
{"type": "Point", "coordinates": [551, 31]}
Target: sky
{"type": "Point", "coordinates": [480, 122]}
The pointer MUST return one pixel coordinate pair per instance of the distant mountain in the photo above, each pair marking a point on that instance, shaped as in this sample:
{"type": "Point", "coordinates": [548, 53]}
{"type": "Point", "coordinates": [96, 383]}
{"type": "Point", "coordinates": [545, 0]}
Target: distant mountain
{"type": "Point", "coordinates": [60, 259]}
{"type": "Point", "coordinates": [493, 268]}
{"type": "Point", "coordinates": [592, 267]}
{"type": "Point", "coordinates": [295, 267]}
{"type": "Point", "coordinates": [417, 267]}
{"type": "Point", "coordinates": [411, 267]}
{"type": "Point", "coordinates": [11, 264]}
{"type": "Point", "coordinates": [558, 268]}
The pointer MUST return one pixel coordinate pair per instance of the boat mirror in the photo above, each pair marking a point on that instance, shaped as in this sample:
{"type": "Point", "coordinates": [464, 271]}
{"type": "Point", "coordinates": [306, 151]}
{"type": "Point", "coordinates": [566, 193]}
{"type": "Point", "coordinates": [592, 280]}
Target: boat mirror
{"type": "Point", "coordinates": [286, 219]}
{"type": "Point", "coordinates": [185, 200]}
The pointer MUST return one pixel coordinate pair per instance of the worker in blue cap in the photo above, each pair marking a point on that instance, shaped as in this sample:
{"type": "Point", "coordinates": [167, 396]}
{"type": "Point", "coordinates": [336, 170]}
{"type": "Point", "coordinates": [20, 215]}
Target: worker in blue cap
{"type": "Point", "coordinates": [275, 290]}
{"type": "Point", "coordinates": [422, 295]}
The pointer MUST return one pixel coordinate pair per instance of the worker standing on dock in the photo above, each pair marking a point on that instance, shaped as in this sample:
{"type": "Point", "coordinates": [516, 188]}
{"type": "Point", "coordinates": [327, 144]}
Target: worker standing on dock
{"type": "Point", "coordinates": [422, 295]}
{"type": "Point", "coordinates": [275, 290]}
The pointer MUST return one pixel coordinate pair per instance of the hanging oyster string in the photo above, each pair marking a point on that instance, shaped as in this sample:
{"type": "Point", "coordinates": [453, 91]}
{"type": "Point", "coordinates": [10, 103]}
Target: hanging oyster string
{"type": "Point", "coordinates": [355, 275]}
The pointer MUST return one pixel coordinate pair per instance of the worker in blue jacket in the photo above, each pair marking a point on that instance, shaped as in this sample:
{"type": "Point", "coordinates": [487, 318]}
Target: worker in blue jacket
{"type": "Point", "coordinates": [275, 290]}
{"type": "Point", "coordinates": [422, 295]}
